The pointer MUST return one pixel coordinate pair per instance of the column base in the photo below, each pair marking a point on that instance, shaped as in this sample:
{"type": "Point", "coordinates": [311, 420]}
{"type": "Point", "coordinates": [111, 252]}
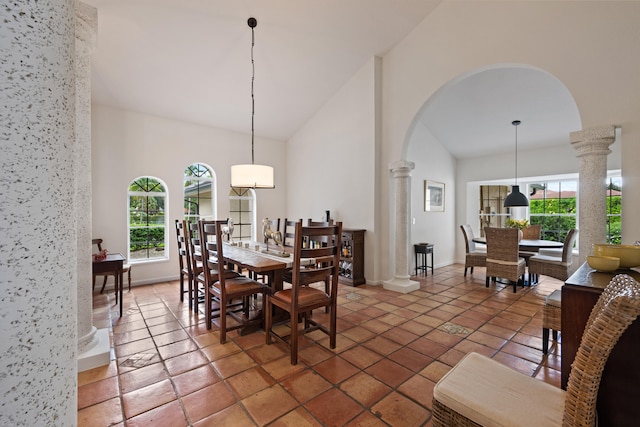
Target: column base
{"type": "Point", "coordinates": [402, 285]}
{"type": "Point", "coordinates": [98, 355]}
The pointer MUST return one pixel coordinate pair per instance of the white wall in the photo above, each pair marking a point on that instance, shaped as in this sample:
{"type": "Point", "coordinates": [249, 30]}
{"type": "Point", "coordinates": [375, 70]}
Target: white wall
{"type": "Point", "coordinates": [590, 46]}
{"type": "Point", "coordinates": [126, 145]}
{"type": "Point", "coordinates": [331, 161]}
{"type": "Point", "coordinates": [432, 162]}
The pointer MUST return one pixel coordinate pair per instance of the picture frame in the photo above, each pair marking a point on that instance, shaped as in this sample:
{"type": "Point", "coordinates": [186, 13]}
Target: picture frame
{"type": "Point", "coordinates": [433, 196]}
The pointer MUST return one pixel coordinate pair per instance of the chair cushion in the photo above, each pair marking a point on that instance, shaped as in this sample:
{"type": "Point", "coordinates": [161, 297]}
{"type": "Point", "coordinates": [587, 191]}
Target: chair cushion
{"type": "Point", "coordinates": [492, 394]}
{"type": "Point", "coordinates": [554, 298]}
{"type": "Point", "coordinates": [553, 252]}
{"type": "Point", "coordinates": [306, 296]}
{"type": "Point", "coordinates": [548, 259]}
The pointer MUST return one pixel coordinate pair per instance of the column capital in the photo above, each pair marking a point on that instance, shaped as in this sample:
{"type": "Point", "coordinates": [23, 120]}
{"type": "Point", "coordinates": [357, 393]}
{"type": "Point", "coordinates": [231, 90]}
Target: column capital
{"type": "Point", "coordinates": [86, 24]}
{"type": "Point", "coordinates": [401, 166]}
{"type": "Point", "coordinates": [593, 141]}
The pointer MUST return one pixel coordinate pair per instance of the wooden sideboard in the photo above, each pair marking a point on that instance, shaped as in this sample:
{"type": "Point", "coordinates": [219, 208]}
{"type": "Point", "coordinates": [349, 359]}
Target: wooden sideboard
{"type": "Point", "coordinates": [352, 258]}
{"type": "Point", "coordinates": [619, 392]}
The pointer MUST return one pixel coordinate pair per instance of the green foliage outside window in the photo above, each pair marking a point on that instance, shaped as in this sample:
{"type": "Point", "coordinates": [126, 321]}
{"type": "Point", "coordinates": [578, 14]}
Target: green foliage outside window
{"type": "Point", "coordinates": [146, 218]}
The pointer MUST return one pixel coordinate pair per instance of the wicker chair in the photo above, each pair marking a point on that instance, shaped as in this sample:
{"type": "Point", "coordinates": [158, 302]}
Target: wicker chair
{"type": "Point", "coordinates": [557, 267]}
{"type": "Point", "coordinates": [474, 256]}
{"type": "Point", "coordinates": [531, 232]}
{"type": "Point", "coordinates": [551, 315]}
{"type": "Point", "coordinates": [502, 256]}
{"type": "Point", "coordinates": [479, 391]}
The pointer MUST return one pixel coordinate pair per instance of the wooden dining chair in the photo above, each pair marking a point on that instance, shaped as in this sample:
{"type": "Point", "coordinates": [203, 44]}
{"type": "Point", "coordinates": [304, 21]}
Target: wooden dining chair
{"type": "Point", "coordinates": [503, 259]}
{"type": "Point", "coordinates": [193, 241]}
{"type": "Point", "coordinates": [480, 391]}
{"type": "Point", "coordinates": [184, 261]}
{"type": "Point", "coordinates": [126, 269]}
{"type": "Point", "coordinates": [302, 298]}
{"type": "Point", "coordinates": [474, 256]}
{"type": "Point", "coordinates": [223, 286]}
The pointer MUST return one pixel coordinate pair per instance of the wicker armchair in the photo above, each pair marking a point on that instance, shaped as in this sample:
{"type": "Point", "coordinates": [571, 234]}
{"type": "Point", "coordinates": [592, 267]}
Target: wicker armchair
{"type": "Point", "coordinates": [474, 256]}
{"type": "Point", "coordinates": [468, 393]}
{"type": "Point", "coordinates": [502, 256]}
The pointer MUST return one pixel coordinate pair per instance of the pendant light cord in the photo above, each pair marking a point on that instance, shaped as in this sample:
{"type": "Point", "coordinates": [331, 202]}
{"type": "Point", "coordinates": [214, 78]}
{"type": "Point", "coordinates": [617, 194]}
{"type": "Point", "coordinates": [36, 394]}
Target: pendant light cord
{"type": "Point", "coordinates": [516, 123]}
{"type": "Point", "coordinates": [253, 76]}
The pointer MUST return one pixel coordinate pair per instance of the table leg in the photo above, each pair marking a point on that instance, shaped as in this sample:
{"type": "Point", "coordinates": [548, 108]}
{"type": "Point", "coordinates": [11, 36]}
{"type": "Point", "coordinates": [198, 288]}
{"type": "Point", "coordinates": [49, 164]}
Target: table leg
{"type": "Point", "coordinates": [120, 287]}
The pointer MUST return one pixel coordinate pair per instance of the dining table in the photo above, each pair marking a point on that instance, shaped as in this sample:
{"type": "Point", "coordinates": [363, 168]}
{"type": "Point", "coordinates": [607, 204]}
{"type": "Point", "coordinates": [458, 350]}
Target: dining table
{"type": "Point", "coordinates": [112, 263]}
{"type": "Point", "coordinates": [533, 245]}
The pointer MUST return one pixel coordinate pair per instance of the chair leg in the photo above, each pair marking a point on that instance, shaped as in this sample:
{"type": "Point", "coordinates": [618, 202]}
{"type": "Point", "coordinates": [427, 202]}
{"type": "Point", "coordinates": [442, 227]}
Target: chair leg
{"type": "Point", "coordinates": [268, 317]}
{"type": "Point", "coordinates": [293, 339]}
{"type": "Point", "coordinates": [181, 287]}
{"type": "Point", "coordinates": [129, 278]}
{"type": "Point", "coordinates": [487, 281]}
{"type": "Point", "coordinates": [223, 319]}
{"type": "Point", "coordinates": [545, 340]}
{"type": "Point", "coordinates": [554, 334]}
{"type": "Point", "coordinates": [465, 271]}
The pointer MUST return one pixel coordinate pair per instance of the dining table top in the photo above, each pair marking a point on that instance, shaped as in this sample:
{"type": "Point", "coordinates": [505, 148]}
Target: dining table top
{"type": "Point", "coordinates": [529, 244]}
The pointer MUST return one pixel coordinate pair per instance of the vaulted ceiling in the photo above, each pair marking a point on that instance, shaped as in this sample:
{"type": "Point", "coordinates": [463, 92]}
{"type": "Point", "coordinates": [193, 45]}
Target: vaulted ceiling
{"type": "Point", "coordinates": [190, 60]}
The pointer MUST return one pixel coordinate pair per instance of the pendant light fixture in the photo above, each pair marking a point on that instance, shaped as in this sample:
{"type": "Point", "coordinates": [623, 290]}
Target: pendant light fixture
{"type": "Point", "coordinates": [252, 175]}
{"type": "Point", "coordinates": [516, 198]}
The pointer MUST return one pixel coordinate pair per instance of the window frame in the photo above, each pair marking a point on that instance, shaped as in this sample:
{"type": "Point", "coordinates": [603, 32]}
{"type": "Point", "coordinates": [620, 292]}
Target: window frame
{"type": "Point", "coordinates": [164, 194]}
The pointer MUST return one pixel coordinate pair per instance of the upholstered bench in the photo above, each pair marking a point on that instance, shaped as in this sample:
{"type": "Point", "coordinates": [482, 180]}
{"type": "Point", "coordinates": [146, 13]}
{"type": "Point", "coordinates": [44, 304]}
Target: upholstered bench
{"type": "Point", "coordinates": [481, 391]}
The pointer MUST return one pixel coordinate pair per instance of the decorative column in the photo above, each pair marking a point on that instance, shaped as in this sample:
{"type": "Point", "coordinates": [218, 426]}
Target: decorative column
{"type": "Point", "coordinates": [93, 344]}
{"type": "Point", "coordinates": [38, 249]}
{"type": "Point", "coordinates": [592, 146]}
{"type": "Point", "coordinates": [401, 174]}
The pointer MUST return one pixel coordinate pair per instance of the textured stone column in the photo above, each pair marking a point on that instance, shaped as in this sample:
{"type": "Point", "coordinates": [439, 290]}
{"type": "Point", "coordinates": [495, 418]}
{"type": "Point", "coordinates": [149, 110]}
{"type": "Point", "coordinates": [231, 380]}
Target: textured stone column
{"type": "Point", "coordinates": [401, 174]}
{"type": "Point", "coordinates": [38, 332]}
{"type": "Point", "coordinates": [592, 146]}
{"type": "Point", "coordinates": [93, 345]}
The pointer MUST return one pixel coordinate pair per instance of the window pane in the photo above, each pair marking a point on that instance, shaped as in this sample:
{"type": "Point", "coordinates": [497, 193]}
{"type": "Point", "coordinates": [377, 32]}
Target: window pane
{"type": "Point", "coordinates": [147, 216]}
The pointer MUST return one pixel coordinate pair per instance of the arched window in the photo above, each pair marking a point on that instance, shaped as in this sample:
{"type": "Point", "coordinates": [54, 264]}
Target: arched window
{"type": "Point", "coordinates": [242, 210]}
{"type": "Point", "coordinates": [199, 192]}
{"type": "Point", "coordinates": [147, 220]}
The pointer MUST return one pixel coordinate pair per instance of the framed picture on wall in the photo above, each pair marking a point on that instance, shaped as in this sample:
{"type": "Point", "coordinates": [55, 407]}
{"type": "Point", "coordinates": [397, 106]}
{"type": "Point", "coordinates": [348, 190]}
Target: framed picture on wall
{"type": "Point", "coordinates": [433, 196]}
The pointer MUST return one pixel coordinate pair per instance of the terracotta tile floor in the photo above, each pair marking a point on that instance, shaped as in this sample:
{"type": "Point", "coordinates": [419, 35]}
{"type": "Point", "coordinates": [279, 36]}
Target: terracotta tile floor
{"type": "Point", "coordinates": [167, 370]}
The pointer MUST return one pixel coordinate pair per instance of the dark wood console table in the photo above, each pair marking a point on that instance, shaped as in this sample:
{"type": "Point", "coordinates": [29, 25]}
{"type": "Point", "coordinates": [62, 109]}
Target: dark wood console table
{"type": "Point", "coordinates": [619, 392]}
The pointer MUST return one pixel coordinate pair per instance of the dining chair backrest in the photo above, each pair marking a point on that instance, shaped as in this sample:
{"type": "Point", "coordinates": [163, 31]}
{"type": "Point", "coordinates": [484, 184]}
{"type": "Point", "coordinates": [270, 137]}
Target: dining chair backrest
{"type": "Point", "coordinates": [532, 232]}
{"type": "Point", "coordinates": [567, 248]}
{"type": "Point", "coordinates": [289, 232]}
{"type": "Point", "coordinates": [184, 258]}
{"type": "Point", "coordinates": [467, 232]}
{"type": "Point", "coordinates": [194, 246]}
{"type": "Point", "coordinates": [211, 246]}
{"type": "Point", "coordinates": [98, 243]}
{"type": "Point", "coordinates": [327, 257]}
{"type": "Point", "coordinates": [502, 244]}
